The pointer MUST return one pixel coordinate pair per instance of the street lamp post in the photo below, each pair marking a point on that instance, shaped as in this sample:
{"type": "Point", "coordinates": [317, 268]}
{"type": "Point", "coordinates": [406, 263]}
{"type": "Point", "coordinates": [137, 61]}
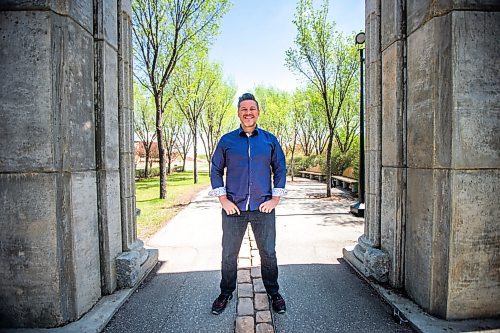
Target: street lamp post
{"type": "Point", "coordinates": [358, 209]}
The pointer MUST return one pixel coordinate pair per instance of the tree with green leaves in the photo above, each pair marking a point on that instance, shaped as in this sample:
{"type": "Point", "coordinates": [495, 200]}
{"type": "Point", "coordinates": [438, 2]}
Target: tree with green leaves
{"type": "Point", "coordinates": [216, 117]}
{"type": "Point", "coordinates": [276, 114]}
{"type": "Point", "coordinates": [193, 89]}
{"type": "Point", "coordinates": [172, 124]}
{"type": "Point", "coordinates": [144, 124]}
{"type": "Point", "coordinates": [319, 125]}
{"type": "Point", "coordinates": [185, 141]}
{"type": "Point", "coordinates": [327, 60]}
{"type": "Point", "coordinates": [347, 132]}
{"type": "Point", "coordinates": [164, 31]}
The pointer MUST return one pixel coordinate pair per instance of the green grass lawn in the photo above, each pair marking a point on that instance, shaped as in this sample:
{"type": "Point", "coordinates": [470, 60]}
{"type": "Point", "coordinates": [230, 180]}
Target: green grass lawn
{"type": "Point", "coordinates": [156, 212]}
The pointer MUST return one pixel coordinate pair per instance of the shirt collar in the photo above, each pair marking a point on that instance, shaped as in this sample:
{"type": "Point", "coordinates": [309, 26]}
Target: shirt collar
{"type": "Point", "coordinates": [242, 133]}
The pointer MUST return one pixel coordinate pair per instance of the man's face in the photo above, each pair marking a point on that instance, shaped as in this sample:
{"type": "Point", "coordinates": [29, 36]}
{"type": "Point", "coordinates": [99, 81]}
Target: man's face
{"type": "Point", "coordinates": [248, 114]}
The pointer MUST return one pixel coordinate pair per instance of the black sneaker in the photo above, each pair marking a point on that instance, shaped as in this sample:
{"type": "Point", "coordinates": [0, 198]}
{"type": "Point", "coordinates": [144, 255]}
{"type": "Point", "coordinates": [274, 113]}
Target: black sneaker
{"type": "Point", "coordinates": [278, 303]}
{"type": "Point", "coordinates": [220, 303]}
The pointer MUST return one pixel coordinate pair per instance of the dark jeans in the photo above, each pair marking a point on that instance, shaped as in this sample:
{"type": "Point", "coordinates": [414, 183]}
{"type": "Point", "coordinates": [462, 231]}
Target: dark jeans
{"type": "Point", "coordinates": [264, 229]}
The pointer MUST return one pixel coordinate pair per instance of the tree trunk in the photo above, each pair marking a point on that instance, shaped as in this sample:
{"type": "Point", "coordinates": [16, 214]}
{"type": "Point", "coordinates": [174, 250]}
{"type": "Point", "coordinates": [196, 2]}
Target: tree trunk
{"type": "Point", "coordinates": [292, 166]}
{"type": "Point", "coordinates": [146, 165]}
{"type": "Point", "coordinates": [169, 165]}
{"type": "Point", "coordinates": [161, 151]}
{"type": "Point", "coordinates": [195, 149]}
{"type": "Point", "coordinates": [329, 165]}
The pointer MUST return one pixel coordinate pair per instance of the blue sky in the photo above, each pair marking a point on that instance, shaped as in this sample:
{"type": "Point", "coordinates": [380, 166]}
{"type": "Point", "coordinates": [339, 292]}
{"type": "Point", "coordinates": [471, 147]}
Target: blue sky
{"type": "Point", "coordinates": [256, 33]}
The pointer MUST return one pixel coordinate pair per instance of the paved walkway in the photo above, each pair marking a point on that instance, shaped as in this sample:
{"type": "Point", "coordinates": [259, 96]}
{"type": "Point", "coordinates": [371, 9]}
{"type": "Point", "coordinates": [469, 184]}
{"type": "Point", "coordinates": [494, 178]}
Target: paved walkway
{"type": "Point", "coordinates": [323, 294]}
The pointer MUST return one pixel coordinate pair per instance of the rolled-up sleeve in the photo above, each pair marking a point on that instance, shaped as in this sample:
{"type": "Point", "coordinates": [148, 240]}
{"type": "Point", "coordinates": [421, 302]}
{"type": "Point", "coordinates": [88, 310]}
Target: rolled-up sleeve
{"type": "Point", "coordinates": [217, 171]}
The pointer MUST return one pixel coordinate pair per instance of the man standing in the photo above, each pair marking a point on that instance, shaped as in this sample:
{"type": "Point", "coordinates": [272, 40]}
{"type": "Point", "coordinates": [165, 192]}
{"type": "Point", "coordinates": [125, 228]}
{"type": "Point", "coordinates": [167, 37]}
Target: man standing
{"type": "Point", "coordinates": [249, 155]}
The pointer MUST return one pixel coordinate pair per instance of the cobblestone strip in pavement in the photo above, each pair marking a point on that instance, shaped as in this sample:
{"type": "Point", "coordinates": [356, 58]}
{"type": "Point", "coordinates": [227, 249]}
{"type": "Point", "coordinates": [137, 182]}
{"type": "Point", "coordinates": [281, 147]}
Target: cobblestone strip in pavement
{"type": "Point", "coordinates": [253, 311]}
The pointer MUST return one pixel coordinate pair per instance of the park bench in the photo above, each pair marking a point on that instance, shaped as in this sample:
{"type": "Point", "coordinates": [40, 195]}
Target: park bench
{"type": "Point", "coordinates": [312, 173]}
{"type": "Point", "coordinates": [346, 180]}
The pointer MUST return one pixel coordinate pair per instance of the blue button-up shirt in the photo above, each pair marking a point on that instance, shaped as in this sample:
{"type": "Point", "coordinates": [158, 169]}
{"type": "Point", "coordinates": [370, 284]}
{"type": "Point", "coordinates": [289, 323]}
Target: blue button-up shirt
{"type": "Point", "coordinates": [249, 161]}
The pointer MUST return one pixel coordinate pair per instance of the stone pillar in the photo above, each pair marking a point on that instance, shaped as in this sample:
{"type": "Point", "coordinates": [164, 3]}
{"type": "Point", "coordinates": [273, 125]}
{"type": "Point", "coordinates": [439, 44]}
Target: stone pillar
{"type": "Point", "coordinates": [107, 150]}
{"type": "Point", "coordinates": [452, 230]}
{"type": "Point", "coordinates": [393, 195]}
{"type": "Point", "coordinates": [366, 255]}
{"type": "Point", "coordinates": [49, 253]}
{"type": "Point", "coordinates": [436, 233]}
{"type": "Point", "coordinates": [67, 192]}
{"type": "Point", "coordinates": [373, 147]}
{"type": "Point", "coordinates": [134, 254]}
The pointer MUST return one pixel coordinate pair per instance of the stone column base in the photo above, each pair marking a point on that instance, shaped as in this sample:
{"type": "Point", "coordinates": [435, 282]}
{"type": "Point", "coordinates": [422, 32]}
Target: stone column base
{"type": "Point", "coordinates": [131, 266]}
{"type": "Point", "coordinates": [368, 260]}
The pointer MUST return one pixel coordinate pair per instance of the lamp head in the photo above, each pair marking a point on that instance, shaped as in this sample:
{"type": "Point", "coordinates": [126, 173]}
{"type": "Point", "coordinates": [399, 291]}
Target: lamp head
{"type": "Point", "coordinates": [360, 38]}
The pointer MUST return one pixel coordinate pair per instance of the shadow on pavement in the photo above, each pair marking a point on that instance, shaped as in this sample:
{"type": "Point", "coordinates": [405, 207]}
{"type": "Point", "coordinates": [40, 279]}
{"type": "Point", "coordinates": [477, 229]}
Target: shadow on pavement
{"type": "Point", "coordinates": [331, 298]}
{"type": "Point", "coordinates": [176, 303]}
{"type": "Point", "coordinates": [320, 298]}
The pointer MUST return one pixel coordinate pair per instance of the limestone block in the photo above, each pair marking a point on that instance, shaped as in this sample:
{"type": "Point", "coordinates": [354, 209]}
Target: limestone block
{"type": "Point", "coordinates": [125, 70]}
{"type": "Point", "coordinates": [372, 7]}
{"type": "Point", "coordinates": [421, 11]}
{"type": "Point", "coordinates": [73, 90]}
{"type": "Point", "coordinates": [392, 219]}
{"type": "Point", "coordinates": [373, 128]}
{"type": "Point", "coordinates": [372, 214]}
{"type": "Point", "coordinates": [474, 283]}
{"type": "Point", "coordinates": [126, 130]}
{"type": "Point", "coordinates": [418, 251]}
{"type": "Point", "coordinates": [429, 95]}
{"type": "Point", "coordinates": [108, 186]}
{"type": "Point", "coordinates": [372, 218]}
{"type": "Point", "coordinates": [107, 22]}
{"type": "Point", "coordinates": [30, 279]}
{"type": "Point", "coordinates": [373, 87]}
{"type": "Point", "coordinates": [372, 34]}
{"type": "Point", "coordinates": [129, 232]}
{"type": "Point", "coordinates": [80, 11]}
{"type": "Point", "coordinates": [391, 22]}
{"type": "Point", "coordinates": [127, 175]}
{"type": "Point", "coordinates": [126, 7]}
{"type": "Point", "coordinates": [476, 102]}
{"type": "Point", "coordinates": [376, 264]}
{"type": "Point", "coordinates": [393, 118]}
{"type": "Point", "coordinates": [427, 238]}
{"type": "Point", "coordinates": [84, 230]}
{"type": "Point", "coordinates": [25, 111]}
{"type": "Point", "coordinates": [373, 172]}
{"type": "Point", "coordinates": [51, 73]}
{"type": "Point", "coordinates": [107, 108]}
{"type": "Point", "coordinates": [128, 268]}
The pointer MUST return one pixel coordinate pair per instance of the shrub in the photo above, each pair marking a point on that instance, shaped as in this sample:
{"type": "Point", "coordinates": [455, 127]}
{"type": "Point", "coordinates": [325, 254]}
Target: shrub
{"type": "Point", "coordinates": [302, 162]}
{"type": "Point", "coordinates": [152, 172]}
{"type": "Point", "coordinates": [342, 161]}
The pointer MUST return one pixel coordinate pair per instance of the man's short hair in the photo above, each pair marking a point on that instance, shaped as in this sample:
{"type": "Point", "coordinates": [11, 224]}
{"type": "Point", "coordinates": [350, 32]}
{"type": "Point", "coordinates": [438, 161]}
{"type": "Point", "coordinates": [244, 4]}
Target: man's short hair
{"type": "Point", "coordinates": [247, 97]}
